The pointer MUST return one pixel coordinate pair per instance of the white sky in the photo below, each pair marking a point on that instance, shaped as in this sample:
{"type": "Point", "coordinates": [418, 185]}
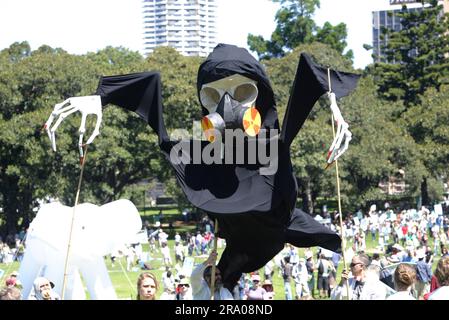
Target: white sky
{"type": "Point", "coordinates": [79, 26]}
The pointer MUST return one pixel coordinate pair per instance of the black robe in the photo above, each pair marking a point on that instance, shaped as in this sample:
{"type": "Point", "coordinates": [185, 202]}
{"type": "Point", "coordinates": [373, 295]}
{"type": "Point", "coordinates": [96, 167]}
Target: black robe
{"type": "Point", "coordinates": [256, 213]}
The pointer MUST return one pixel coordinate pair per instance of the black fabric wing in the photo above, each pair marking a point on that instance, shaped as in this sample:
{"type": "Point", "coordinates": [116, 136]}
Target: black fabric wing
{"type": "Point", "coordinates": [304, 231]}
{"type": "Point", "coordinates": [311, 82]}
{"type": "Point", "coordinates": [138, 92]}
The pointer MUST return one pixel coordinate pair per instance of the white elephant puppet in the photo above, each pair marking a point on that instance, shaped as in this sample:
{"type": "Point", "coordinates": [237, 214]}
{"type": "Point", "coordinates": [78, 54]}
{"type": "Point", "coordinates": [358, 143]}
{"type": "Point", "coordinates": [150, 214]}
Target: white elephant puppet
{"type": "Point", "coordinates": [97, 231]}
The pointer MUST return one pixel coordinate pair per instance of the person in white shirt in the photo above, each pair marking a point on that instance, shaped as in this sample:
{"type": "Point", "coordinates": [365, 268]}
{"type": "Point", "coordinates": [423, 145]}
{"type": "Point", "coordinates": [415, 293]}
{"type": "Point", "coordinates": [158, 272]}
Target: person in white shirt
{"type": "Point", "coordinates": [201, 281]}
{"type": "Point", "coordinates": [404, 279]}
{"type": "Point", "coordinates": [163, 237]}
{"type": "Point", "coordinates": [374, 289]}
{"type": "Point", "coordinates": [301, 277]}
{"type": "Point", "coordinates": [269, 270]}
{"type": "Point", "coordinates": [356, 281]}
{"type": "Point", "coordinates": [165, 250]}
{"type": "Point", "coordinates": [183, 291]}
{"type": "Point", "coordinates": [177, 238]}
{"type": "Point", "coordinates": [179, 253]}
{"type": "Point", "coordinates": [168, 281]}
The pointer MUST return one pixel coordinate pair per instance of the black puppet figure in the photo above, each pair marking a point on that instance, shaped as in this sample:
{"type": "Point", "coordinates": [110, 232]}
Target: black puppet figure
{"type": "Point", "coordinates": [252, 200]}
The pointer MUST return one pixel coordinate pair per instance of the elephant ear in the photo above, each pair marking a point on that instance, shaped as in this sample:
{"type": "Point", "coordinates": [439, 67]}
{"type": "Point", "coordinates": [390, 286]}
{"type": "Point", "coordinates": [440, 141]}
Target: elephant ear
{"type": "Point", "coordinates": [51, 225]}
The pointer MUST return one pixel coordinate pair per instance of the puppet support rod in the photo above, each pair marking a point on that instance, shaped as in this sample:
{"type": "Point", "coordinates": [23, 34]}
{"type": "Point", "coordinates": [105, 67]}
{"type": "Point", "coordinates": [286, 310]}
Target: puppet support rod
{"type": "Point", "coordinates": [64, 283]}
{"type": "Point", "coordinates": [214, 266]}
{"type": "Point", "coordinates": [343, 242]}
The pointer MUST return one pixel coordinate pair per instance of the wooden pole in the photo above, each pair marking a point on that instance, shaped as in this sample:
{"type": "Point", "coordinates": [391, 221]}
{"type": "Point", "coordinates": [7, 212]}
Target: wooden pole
{"type": "Point", "coordinates": [343, 241]}
{"type": "Point", "coordinates": [340, 214]}
{"type": "Point", "coordinates": [214, 265]}
{"type": "Point", "coordinates": [64, 283]}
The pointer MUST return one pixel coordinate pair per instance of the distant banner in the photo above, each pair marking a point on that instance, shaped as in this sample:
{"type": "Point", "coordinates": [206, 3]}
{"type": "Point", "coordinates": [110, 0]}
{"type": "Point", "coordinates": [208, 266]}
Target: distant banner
{"type": "Point", "coordinates": [187, 267]}
{"type": "Point", "coordinates": [438, 208]}
{"type": "Point", "coordinates": [393, 2]}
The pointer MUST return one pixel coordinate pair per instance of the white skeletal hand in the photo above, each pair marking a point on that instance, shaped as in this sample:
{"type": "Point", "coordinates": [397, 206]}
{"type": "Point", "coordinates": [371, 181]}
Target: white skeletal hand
{"type": "Point", "coordinates": [342, 136]}
{"type": "Point", "coordinates": [85, 105]}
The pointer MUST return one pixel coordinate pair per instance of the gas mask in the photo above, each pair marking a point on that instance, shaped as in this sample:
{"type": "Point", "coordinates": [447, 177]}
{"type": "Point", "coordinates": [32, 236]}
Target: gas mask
{"type": "Point", "coordinates": [230, 102]}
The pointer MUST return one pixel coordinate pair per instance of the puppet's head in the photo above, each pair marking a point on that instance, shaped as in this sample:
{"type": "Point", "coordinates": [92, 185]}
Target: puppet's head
{"type": "Point", "coordinates": [235, 92]}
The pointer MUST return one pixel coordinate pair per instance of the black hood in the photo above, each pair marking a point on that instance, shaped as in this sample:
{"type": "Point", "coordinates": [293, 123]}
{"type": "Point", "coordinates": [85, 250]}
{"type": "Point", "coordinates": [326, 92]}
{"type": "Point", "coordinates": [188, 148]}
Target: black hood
{"type": "Point", "coordinates": [227, 60]}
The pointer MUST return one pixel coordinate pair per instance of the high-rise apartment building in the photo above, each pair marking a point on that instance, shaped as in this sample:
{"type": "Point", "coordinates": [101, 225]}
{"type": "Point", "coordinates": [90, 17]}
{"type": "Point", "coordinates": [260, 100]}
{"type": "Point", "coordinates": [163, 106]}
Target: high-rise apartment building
{"type": "Point", "coordinates": [187, 25]}
{"type": "Point", "coordinates": [390, 19]}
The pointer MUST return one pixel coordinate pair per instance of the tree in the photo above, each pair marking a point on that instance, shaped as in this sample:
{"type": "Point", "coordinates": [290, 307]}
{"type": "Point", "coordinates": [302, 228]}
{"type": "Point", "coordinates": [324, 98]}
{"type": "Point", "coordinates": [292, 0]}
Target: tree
{"type": "Point", "coordinates": [30, 86]}
{"type": "Point", "coordinates": [427, 124]}
{"type": "Point", "coordinates": [29, 83]}
{"type": "Point", "coordinates": [295, 26]}
{"type": "Point", "coordinates": [416, 61]}
{"type": "Point", "coordinates": [416, 56]}
{"type": "Point", "coordinates": [380, 147]}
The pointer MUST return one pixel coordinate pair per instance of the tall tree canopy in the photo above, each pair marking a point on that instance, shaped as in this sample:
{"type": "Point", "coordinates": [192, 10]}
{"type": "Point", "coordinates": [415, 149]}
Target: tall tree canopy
{"type": "Point", "coordinates": [416, 56]}
{"type": "Point", "coordinates": [30, 83]}
{"type": "Point", "coordinates": [295, 26]}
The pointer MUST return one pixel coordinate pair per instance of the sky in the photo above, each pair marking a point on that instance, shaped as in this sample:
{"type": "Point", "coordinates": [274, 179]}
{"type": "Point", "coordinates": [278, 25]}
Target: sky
{"type": "Point", "coordinates": [80, 26]}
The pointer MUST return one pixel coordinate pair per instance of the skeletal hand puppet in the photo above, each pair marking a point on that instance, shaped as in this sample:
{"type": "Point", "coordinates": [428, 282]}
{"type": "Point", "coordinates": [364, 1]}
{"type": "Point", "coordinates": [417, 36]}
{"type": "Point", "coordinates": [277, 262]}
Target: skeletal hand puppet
{"type": "Point", "coordinates": [86, 105]}
{"type": "Point", "coordinates": [342, 136]}
{"type": "Point", "coordinates": [252, 200]}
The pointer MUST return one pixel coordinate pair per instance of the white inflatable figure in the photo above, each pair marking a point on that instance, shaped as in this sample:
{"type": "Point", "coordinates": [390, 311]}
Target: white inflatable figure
{"type": "Point", "coordinates": [96, 232]}
{"type": "Point", "coordinates": [342, 136]}
{"type": "Point", "coordinates": [86, 105]}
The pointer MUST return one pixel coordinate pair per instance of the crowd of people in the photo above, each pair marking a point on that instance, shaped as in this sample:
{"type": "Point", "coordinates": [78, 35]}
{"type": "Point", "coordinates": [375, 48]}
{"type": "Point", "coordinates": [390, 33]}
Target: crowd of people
{"type": "Point", "coordinates": [42, 289]}
{"type": "Point", "coordinates": [399, 267]}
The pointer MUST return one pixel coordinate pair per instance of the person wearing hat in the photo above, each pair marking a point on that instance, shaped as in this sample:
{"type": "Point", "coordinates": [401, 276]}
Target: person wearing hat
{"type": "Point", "coordinates": [43, 290]}
{"type": "Point", "coordinates": [14, 274]}
{"type": "Point", "coordinates": [255, 292]}
{"type": "Point", "coordinates": [398, 253]}
{"type": "Point", "coordinates": [183, 290]}
{"type": "Point", "coordinates": [268, 286]}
